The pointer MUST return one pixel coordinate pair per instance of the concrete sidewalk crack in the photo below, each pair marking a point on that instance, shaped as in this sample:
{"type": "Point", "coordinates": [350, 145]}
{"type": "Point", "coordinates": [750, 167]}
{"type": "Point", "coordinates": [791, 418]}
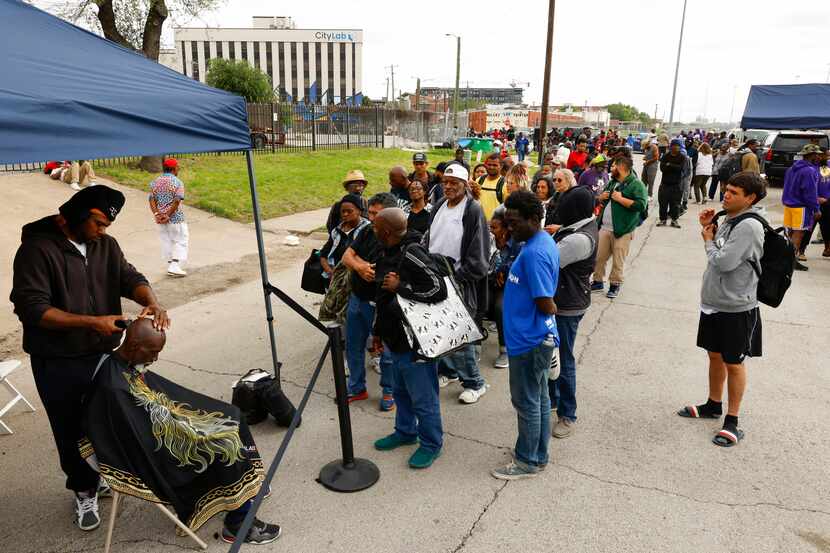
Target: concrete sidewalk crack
{"type": "Point", "coordinates": [137, 541]}
{"type": "Point", "coordinates": [670, 493]}
{"type": "Point", "coordinates": [472, 529]}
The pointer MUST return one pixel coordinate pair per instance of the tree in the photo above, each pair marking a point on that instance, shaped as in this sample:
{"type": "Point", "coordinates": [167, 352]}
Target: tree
{"type": "Point", "coordinates": [134, 24]}
{"type": "Point", "coordinates": [240, 78]}
{"type": "Point", "coordinates": [624, 112]}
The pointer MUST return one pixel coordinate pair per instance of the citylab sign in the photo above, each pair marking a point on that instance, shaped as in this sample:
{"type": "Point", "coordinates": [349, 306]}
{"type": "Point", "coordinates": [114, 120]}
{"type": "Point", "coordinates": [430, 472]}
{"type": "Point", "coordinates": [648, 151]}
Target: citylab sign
{"type": "Point", "coordinates": [330, 37]}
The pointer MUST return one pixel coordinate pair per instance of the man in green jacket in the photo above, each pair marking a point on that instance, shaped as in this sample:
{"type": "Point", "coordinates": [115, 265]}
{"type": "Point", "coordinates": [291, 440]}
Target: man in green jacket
{"type": "Point", "coordinates": [624, 204]}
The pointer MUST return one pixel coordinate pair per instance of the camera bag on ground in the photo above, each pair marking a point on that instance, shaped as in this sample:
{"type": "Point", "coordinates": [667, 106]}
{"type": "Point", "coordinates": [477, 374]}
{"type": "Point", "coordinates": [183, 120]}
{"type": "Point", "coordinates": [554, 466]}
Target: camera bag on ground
{"type": "Point", "coordinates": [246, 392]}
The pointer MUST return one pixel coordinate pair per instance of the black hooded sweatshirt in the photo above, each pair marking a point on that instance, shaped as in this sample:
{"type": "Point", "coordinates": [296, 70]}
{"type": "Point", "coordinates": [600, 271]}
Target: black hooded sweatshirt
{"type": "Point", "coordinates": [420, 280]}
{"type": "Point", "coordinates": [50, 272]}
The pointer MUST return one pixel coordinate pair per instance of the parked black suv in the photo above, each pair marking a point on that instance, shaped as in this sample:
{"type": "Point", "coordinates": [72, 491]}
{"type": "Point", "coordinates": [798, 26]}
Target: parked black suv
{"type": "Point", "coordinates": [780, 149]}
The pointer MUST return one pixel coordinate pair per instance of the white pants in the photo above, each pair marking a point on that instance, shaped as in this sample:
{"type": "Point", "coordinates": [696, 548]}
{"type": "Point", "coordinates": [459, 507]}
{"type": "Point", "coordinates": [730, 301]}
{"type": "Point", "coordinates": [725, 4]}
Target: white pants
{"type": "Point", "coordinates": [174, 238]}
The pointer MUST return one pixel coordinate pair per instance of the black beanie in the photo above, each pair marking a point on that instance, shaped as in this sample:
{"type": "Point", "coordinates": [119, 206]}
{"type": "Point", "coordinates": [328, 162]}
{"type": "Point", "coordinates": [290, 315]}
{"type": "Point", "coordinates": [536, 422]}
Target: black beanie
{"type": "Point", "coordinates": [353, 199]}
{"type": "Point", "coordinates": [76, 209]}
{"type": "Point", "coordinates": [574, 204]}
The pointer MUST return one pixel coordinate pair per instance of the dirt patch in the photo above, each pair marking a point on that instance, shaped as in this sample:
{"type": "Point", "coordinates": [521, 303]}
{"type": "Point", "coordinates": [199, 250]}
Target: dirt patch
{"type": "Point", "coordinates": [199, 283]}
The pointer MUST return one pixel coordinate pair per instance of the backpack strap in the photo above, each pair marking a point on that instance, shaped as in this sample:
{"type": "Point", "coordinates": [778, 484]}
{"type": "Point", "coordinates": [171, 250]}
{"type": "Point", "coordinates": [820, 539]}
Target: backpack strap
{"type": "Point", "coordinates": [743, 217]}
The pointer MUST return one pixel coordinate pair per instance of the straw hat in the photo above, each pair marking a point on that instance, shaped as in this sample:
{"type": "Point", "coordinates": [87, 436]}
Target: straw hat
{"type": "Point", "coordinates": [354, 175]}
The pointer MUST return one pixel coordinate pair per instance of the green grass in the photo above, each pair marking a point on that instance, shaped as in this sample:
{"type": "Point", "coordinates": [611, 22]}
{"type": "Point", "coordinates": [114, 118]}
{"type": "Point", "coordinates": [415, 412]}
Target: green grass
{"type": "Point", "coordinates": [287, 182]}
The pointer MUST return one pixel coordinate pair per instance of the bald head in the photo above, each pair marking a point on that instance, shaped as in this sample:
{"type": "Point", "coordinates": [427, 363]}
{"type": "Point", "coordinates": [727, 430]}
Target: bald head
{"type": "Point", "coordinates": [142, 343]}
{"type": "Point", "coordinates": [398, 177]}
{"type": "Point", "coordinates": [390, 225]}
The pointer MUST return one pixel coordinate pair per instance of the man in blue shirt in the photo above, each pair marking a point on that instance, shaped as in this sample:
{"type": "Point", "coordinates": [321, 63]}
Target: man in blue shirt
{"type": "Point", "coordinates": [530, 333]}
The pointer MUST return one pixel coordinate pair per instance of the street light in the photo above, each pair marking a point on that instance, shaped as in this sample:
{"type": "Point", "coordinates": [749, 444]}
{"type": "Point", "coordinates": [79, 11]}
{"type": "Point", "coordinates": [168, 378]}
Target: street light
{"type": "Point", "coordinates": [677, 66]}
{"type": "Point", "coordinates": [457, 80]}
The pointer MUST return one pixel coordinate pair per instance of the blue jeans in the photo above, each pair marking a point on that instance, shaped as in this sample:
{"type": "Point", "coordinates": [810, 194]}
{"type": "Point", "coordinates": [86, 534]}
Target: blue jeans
{"type": "Point", "coordinates": [359, 318]}
{"type": "Point", "coordinates": [563, 389]}
{"type": "Point", "coordinates": [463, 365]}
{"type": "Point", "coordinates": [529, 396]}
{"type": "Point", "coordinates": [415, 390]}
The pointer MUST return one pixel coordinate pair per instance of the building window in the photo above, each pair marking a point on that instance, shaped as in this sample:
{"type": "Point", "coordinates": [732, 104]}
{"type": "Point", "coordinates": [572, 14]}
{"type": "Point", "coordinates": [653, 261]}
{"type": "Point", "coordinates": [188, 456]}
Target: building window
{"type": "Point", "coordinates": [256, 55]}
{"type": "Point", "coordinates": [244, 51]}
{"type": "Point", "coordinates": [219, 52]}
{"type": "Point", "coordinates": [319, 69]}
{"type": "Point", "coordinates": [194, 59]}
{"type": "Point", "coordinates": [268, 63]}
{"type": "Point", "coordinates": [295, 86]}
{"type": "Point", "coordinates": [306, 84]}
{"type": "Point", "coordinates": [184, 60]}
{"type": "Point", "coordinates": [232, 50]}
{"type": "Point", "coordinates": [330, 88]}
{"type": "Point", "coordinates": [342, 72]}
{"type": "Point", "coordinates": [206, 46]}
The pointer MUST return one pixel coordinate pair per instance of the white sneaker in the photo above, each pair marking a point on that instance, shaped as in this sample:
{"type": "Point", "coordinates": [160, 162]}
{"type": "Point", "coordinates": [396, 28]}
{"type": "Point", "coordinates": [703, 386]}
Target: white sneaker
{"type": "Point", "coordinates": [444, 381]}
{"type": "Point", "coordinates": [74, 186]}
{"type": "Point", "coordinates": [469, 395]}
{"type": "Point", "coordinates": [553, 374]}
{"type": "Point", "coordinates": [375, 363]}
{"type": "Point", "coordinates": [175, 270]}
{"type": "Point", "coordinates": [93, 183]}
{"type": "Point", "coordinates": [104, 489]}
{"type": "Point", "coordinates": [86, 512]}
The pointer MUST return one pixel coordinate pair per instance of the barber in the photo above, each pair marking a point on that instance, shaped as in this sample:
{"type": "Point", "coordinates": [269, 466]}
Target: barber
{"type": "Point", "coordinates": [69, 278]}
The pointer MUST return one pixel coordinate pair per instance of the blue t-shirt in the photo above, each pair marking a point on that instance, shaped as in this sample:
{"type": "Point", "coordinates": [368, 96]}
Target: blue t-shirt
{"type": "Point", "coordinates": [533, 275]}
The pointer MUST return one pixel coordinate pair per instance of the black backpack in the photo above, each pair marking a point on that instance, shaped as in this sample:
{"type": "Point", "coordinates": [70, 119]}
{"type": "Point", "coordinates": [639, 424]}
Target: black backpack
{"type": "Point", "coordinates": [775, 272]}
{"type": "Point", "coordinates": [732, 166]}
{"type": "Point", "coordinates": [499, 187]}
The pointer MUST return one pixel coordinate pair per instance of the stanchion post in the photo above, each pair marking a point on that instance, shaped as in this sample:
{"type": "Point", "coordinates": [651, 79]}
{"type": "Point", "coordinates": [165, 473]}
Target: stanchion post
{"type": "Point", "coordinates": [348, 474]}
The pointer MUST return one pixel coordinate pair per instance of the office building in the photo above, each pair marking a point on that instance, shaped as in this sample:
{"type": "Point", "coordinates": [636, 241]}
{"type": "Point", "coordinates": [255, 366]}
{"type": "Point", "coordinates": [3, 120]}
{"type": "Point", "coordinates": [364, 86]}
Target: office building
{"type": "Point", "coordinates": [312, 65]}
{"type": "Point", "coordinates": [508, 95]}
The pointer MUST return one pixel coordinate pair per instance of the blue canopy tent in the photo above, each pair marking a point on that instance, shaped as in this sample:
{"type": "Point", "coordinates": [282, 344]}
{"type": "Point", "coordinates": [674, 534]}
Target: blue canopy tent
{"type": "Point", "coordinates": [67, 93]}
{"type": "Point", "coordinates": [792, 106]}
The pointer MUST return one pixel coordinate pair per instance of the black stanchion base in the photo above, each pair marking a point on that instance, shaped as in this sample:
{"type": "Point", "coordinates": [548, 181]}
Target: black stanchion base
{"type": "Point", "coordinates": [339, 477]}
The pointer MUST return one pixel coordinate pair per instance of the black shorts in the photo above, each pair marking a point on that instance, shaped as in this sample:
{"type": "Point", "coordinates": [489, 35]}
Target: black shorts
{"type": "Point", "coordinates": [734, 335]}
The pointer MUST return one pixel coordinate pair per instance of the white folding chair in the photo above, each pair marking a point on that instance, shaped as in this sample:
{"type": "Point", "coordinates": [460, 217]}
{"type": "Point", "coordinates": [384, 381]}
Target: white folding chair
{"type": "Point", "coordinates": [6, 368]}
{"type": "Point", "coordinates": [116, 498]}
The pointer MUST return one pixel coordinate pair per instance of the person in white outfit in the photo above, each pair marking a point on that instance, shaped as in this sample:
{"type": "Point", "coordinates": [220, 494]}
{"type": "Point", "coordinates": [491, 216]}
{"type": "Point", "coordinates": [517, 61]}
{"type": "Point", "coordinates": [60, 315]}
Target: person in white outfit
{"type": "Point", "coordinates": [703, 170]}
{"type": "Point", "coordinates": [166, 196]}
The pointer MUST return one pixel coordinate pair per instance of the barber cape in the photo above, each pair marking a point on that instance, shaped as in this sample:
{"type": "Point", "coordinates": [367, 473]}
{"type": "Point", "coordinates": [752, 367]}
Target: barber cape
{"type": "Point", "coordinates": [157, 441]}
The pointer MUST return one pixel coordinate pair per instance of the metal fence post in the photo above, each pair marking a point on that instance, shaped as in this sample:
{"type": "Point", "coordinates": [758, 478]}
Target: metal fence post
{"type": "Point", "coordinates": [313, 128]}
{"type": "Point", "coordinates": [273, 131]}
{"type": "Point", "coordinates": [348, 128]}
{"type": "Point", "coordinates": [376, 126]}
{"type": "Point", "coordinates": [383, 128]}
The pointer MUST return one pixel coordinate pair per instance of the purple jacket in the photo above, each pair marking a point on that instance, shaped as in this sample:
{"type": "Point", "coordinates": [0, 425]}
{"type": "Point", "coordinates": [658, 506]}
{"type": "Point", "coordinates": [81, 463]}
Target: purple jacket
{"type": "Point", "coordinates": [801, 186]}
{"type": "Point", "coordinates": [594, 180]}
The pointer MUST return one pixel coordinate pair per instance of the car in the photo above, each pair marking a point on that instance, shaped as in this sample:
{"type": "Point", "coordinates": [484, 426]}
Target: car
{"type": "Point", "coordinates": [780, 149]}
{"type": "Point", "coordinates": [638, 141]}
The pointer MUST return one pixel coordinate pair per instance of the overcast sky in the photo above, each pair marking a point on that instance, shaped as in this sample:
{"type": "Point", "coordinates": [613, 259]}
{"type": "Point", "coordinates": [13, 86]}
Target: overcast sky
{"type": "Point", "coordinates": [604, 51]}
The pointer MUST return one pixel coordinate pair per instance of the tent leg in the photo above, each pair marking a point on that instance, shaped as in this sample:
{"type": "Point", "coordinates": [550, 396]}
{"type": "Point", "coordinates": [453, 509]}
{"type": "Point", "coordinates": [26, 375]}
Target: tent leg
{"type": "Point", "coordinates": [263, 265]}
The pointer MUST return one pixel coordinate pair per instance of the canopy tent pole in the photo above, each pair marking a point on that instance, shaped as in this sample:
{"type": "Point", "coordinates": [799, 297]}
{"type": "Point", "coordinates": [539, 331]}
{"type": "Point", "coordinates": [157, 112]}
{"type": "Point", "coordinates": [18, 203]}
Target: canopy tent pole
{"type": "Point", "coordinates": [263, 265]}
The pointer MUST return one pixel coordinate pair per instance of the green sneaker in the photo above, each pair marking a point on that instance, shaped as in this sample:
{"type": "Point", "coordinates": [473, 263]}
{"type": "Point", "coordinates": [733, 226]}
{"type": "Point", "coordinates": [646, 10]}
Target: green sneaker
{"type": "Point", "coordinates": [393, 441]}
{"type": "Point", "coordinates": [423, 459]}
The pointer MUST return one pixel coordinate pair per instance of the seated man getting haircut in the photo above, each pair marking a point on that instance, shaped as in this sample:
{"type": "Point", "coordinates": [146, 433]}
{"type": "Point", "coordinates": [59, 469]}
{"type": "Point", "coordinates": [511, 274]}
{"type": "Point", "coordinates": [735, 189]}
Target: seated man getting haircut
{"type": "Point", "coordinates": [158, 441]}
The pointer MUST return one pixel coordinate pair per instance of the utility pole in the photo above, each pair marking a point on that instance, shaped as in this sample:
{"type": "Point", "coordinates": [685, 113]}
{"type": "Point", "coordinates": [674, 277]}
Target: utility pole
{"type": "Point", "coordinates": [543, 127]}
{"type": "Point", "coordinates": [457, 79]}
{"type": "Point", "coordinates": [387, 89]}
{"type": "Point", "coordinates": [418, 94]}
{"type": "Point", "coordinates": [677, 66]}
{"type": "Point", "coordinates": [732, 109]}
{"type": "Point", "coordinates": [392, 67]}
{"type": "Point", "coordinates": [655, 113]}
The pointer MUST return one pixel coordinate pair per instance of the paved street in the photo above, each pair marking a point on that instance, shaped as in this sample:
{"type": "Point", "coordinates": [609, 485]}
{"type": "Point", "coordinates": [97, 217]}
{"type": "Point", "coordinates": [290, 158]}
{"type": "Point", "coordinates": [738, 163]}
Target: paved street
{"type": "Point", "coordinates": [633, 478]}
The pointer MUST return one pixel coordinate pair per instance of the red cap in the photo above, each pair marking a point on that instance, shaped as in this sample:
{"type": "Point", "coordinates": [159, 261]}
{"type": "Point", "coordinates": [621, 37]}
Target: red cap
{"type": "Point", "coordinates": [170, 163]}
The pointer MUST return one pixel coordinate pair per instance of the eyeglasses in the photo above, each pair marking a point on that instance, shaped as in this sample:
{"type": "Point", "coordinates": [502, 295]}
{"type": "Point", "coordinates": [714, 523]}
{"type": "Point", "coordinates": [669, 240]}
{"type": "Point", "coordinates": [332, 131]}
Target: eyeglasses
{"type": "Point", "coordinates": [558, 180]}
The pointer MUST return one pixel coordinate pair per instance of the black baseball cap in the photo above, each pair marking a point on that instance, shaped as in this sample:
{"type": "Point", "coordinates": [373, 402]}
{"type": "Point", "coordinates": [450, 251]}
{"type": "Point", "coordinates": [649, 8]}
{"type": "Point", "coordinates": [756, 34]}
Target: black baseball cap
{"type": "Point", "coordinates": [419, 156]}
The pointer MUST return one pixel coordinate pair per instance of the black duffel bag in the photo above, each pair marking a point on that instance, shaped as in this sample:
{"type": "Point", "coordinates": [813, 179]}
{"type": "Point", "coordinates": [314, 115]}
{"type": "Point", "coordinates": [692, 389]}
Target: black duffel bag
{"type": "Point", "coordinates": [313, 279]}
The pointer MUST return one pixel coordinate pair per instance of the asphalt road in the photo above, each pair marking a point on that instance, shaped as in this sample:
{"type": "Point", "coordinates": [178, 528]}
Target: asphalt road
{"type": "Point", "coordinates": [633, 478]}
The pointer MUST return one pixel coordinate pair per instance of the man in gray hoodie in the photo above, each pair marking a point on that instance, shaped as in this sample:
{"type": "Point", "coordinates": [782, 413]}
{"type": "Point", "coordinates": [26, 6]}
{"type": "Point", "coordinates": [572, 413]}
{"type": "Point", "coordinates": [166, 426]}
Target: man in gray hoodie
{"type": "Point", "coordinates": [730, 322]}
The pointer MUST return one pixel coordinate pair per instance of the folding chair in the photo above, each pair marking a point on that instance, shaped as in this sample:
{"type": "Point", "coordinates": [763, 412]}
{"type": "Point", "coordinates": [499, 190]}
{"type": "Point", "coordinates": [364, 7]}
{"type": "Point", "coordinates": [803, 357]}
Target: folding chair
{"type": "Point", "coordinates": [6, 368]}
{"type": "Point", "coordinates": [116, 497]}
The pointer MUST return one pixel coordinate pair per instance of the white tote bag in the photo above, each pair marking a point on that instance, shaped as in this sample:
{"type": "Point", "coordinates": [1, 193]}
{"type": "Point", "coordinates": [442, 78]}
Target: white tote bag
{"type": "Point", "coordinates": [439, 328]}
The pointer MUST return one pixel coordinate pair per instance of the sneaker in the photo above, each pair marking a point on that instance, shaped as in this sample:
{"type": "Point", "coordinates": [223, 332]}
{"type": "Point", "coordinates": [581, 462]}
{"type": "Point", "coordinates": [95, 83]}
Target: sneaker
{"type": "Point", "coordinates": [613, 291]}
{"type": "Point", "coordinates": [375, 363]}
{"type": "Point", "coordinates": [444, 381]}
{"type": "Point", "coordinates": [86, 511]}
{"type": "Point", "coordinates": [175, 270]}
{"type": "Point", "coordinates": [826, 252]}
{"type": "Point", "coordinates": [661, 223]}
{"type": "Point", "coordinates": [423, 459]}
{"type": "Point", "coordinates": [501, 361]}
{"type": "Point", "coordinates": [513, 472]}
{"type": "Point", "coordinates": [358, 397]}
{"type": "Point", "coordinates": [74, 186]}
{"type": "Point", "coordinates": [387, 403]}
{"type": "Point", "coordinates": [104, 489]}
{"type": "Point", "coordinates": [675, 224]}
{"type": "Point", "coordinates": [259, 534]}
{"type": "Point", "coordinates": [799, 267]}
{"type": "Point", "coordinates": [553, 373]}
{"type": "Point", "coordinates": [801, 257]}
{"type": "Point", "coordinates": [597, 286]}
{"type": "Point", "coordinates": [393, 441]}
{"type": "Point", "coordinates": [469, 395]}
{"type": "Point", "coordinates": [563, 428]}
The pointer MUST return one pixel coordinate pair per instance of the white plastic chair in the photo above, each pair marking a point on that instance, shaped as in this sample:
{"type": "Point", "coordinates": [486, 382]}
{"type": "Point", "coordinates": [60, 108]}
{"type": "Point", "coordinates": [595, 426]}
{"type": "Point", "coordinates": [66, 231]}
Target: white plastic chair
{"type": "Point", "coordinates": [6, 368]}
